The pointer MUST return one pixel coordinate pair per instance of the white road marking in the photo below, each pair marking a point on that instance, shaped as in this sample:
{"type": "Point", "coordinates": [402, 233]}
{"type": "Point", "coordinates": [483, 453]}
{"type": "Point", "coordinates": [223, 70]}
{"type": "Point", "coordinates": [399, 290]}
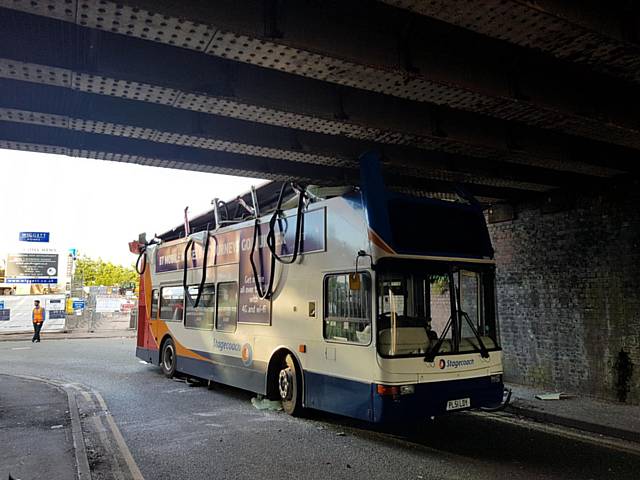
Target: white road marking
{"type": "Point", "coordinates": [21, 348]}
{"type": "Point", "coordinates": [108, 448]}
{"type": "Point", "coordinates": [74, 386]}
{"type": "Point", "coordinates": [122, 445]}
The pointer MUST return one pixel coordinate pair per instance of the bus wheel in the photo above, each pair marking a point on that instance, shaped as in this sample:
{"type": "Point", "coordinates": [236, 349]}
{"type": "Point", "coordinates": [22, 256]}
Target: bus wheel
{"type": "Point", "coordinates": [168, 362]}
{"type": "Point", "coordinates": [289, 383]}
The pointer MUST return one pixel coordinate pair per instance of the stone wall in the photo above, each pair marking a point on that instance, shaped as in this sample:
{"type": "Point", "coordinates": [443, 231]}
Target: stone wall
{"type": "Point", "coordinates": [568, 278]}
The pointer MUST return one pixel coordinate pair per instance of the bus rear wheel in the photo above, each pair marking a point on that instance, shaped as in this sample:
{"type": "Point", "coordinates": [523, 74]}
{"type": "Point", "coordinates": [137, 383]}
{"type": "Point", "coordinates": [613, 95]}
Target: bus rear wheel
{"type": "Point", "coordinates": [289, 387]}
{"type": "Point", "coordinates": [168, 362]}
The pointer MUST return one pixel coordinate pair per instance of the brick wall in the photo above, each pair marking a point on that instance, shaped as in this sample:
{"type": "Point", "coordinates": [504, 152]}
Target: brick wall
{"type": "Point", "coordinates": [569, 292]}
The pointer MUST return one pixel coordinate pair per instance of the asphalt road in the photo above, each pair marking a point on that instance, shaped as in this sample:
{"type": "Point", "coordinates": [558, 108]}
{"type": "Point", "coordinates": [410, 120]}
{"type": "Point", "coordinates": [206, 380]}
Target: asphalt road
{"type": "Point", "coordinates": [178, 431]}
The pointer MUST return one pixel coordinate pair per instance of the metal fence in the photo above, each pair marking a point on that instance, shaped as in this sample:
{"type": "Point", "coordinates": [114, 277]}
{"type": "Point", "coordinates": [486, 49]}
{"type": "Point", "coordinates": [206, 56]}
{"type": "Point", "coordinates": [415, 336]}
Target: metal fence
{"type": "Point", "coordinates": [94, 318]}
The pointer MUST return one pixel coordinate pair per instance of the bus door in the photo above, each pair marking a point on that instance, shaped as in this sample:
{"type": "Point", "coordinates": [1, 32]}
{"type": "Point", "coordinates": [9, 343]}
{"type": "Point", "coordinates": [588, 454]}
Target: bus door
{"type": "Point", "coordinates": [347, 330]}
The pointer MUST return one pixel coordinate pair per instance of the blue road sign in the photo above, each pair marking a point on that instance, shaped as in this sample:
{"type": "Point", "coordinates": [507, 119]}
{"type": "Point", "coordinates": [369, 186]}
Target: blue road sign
{"type": "Point", "coordinates": [34, 236]}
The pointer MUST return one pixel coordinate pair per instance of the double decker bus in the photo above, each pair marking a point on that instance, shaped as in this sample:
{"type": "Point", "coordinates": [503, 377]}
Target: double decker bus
{"type": "Point", "coordinates": [357, 301]}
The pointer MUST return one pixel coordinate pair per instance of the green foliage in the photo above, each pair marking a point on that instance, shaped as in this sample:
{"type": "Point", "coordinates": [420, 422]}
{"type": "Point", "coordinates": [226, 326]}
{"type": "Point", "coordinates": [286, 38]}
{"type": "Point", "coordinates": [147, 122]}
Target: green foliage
{"type": "Point", "coordinates": [441, 282]}
{"type": "Point", "coordinates": [98, 272]}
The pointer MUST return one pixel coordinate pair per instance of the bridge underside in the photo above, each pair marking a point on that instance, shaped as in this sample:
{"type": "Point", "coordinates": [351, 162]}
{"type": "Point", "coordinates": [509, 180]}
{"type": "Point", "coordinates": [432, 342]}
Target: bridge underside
{"type": "Point", "coordinates": [531, 106]}
{"type": "Point", "coordinates": [511, 99]}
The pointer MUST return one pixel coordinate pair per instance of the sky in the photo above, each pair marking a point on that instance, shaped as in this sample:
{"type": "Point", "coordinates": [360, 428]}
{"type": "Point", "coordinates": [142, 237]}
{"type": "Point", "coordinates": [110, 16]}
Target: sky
{"type": "Point", "coordinates": [98, 206]}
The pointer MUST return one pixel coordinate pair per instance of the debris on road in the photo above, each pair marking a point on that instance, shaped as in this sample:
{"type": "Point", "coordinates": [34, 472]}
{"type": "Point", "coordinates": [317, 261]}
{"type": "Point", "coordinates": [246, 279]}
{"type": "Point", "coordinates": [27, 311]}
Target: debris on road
{"type": "Point", "coordinates": [195, 382]}
{"type": "Point", "coordinates": [264, 404]}
{"type": "Point", "coordinates": [554, 396]}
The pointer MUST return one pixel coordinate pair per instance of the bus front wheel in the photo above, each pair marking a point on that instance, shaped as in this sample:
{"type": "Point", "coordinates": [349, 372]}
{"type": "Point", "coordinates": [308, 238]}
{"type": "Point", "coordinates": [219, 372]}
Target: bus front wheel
{"type": "Point", "coordinates": [168, 362]}
{"type": "Point", "coordinates": [289, 383]}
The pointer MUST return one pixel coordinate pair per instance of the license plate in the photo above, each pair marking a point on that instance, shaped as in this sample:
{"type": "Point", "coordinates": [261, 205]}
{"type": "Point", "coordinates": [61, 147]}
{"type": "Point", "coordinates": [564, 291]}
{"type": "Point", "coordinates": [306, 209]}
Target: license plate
{"type": "Point", "coordinates": [458, 404]}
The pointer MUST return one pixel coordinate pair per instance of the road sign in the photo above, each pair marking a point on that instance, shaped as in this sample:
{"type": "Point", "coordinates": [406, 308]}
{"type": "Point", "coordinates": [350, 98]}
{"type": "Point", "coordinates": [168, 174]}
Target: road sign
{"type": "Point", "coordinates": [78, 304]}
{"type": "Point", "coordinates": [34, 236]}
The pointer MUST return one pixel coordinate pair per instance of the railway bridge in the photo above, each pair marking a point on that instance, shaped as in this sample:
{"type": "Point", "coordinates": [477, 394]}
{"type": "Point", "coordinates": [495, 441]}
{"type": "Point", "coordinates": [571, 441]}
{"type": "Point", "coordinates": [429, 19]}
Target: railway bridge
{"type": "Point", "coordinates": [528, 105]}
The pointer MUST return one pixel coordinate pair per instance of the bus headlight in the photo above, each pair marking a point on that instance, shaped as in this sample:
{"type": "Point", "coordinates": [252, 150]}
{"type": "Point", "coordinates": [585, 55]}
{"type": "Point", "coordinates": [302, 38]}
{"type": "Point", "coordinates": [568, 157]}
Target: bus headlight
{"type": "Point", "coordinates": [407, 389]}
{"type": "Point", "coordinates": [496, 378]}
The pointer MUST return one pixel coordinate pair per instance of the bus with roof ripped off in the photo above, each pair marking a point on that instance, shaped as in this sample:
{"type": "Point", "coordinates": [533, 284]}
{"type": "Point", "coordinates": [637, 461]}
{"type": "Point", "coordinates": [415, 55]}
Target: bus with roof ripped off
{"type": "Point", "coordinates": [357, 301]}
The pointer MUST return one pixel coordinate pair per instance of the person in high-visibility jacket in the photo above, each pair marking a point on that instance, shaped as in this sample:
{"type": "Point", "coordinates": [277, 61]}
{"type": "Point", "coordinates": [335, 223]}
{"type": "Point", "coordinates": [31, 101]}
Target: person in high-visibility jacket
{"type": "Point", "coordinates": [38, 319]}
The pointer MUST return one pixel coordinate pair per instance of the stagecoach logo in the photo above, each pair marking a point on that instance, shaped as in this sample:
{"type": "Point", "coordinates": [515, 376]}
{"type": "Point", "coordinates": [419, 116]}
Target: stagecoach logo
{"type": "Point", "coordinates": [245, 352]}
{"type": "Point", "coordinates": [226, 346]}
{"type": "Point", "coordinates": [442, 364]}
{"type": "Point", "coordinates": [247, 355]}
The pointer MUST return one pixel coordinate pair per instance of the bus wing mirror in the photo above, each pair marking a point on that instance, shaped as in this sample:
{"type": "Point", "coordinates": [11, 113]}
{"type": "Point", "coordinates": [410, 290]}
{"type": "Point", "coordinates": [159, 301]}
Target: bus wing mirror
{"type": "Point", "coordinates": [354, 281]}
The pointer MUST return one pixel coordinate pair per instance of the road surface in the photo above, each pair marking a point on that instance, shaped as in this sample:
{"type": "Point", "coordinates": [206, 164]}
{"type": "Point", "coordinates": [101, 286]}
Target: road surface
{"type": "Point", "coordinates": [177, 431]}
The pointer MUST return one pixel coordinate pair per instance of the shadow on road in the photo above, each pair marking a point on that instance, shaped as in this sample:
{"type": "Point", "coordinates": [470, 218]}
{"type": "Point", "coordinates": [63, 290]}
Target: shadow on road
{"type": "Point", "coordinates": [484, 439]}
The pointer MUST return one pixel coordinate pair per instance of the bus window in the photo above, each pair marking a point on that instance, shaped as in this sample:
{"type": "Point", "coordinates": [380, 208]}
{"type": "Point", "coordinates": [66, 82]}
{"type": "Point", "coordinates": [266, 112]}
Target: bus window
{"type": "Point", "coordinates": [171, 304]}
{"type": "Point", "coordinates": [468, 284]}
{"type": "Point", "coordinates": [347, 312]}
{"type": "Point", "coordinates": [414, 311]}
{"type": "Point", "coordinates": [227, 307]}
{"type": "Point", "coordinates": [202, 316]}
{"type": "Point", "coordinates": [155, 297]}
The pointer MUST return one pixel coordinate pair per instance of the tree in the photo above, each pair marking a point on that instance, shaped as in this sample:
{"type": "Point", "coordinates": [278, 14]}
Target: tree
{"type": "Point", "coordinates": [98, 272]}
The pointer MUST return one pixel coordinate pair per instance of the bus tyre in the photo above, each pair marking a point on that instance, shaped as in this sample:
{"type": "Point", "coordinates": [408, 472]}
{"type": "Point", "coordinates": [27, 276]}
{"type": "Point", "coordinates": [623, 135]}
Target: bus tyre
{"type": "Point", "coordinates": [289, 383]}
{"type": "Point", "coordinates": [168, 362]}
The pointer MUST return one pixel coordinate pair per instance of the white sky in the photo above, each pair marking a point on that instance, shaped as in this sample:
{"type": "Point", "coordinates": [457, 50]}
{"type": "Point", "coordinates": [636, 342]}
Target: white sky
{"type": "Point", "coordinates": [98, 206]}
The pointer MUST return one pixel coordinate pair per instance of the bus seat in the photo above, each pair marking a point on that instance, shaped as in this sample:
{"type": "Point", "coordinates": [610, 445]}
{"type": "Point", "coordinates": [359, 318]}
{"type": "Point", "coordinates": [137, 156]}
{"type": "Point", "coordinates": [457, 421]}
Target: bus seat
{"type": "Point", "coordinates": [364, 336]}
{"type": "Point", "coordinates": [470, 344]}
{"type": "Point", "coordinates": [409, 340]}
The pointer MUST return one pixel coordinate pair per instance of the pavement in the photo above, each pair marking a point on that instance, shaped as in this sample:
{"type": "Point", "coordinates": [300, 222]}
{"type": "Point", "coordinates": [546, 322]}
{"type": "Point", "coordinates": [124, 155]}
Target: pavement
{"type": "Point", "coordinates": [66, 335]}
{"type": "Point", "coordinates": [617, 420]}
{"type": "Point", "coordinates": [37, 431]}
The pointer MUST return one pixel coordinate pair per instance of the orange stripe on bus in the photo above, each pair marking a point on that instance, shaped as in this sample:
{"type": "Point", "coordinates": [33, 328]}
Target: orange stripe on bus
{"type": "Point", "coordinates": [161, 329]}
{"type": "Point", "coordinates": [379, 242]}
{"type": "Point", "coordinates": [147, 291]}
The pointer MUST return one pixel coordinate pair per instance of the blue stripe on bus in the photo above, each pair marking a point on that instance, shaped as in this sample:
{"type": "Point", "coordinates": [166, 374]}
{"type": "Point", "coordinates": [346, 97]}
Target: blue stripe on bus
{"type": "Point", "coordinates": [430, 399]}
{"type": "Point", "coordinates": [232, 361]}
{"type": "Point", "coordinates": [148, 355]}
{"type": "Point", "coordinates": [226, 369]}
{"type": "Point", "coordinates": [239, 377]}
{"type": "Point", "coordinates": [351, 398]}
{"type": "Point", "coordinates": [337, 395]}
{"type": "Point", "coordinates": [360, 400]}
